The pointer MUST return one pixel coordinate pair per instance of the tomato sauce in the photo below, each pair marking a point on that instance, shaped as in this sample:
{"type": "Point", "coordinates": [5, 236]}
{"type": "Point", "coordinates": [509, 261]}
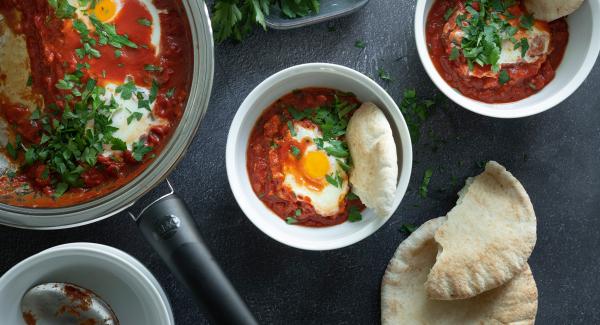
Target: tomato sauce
{"type": "Point", "coordinates": [269, 149]}
{"type": "Point", "coordinates": [526, 79]}
{"type": "Point", "coordinates": [51, 44]}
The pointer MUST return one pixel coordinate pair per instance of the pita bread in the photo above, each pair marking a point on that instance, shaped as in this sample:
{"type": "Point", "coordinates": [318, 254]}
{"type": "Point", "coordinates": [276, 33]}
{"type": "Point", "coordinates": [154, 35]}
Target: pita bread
{"type": "Point", "coordinates": [404, 299]}
{"type": "Point", "coordinates": [373, 150]}
{"type": "Point", "coordinates": [487, 239]}
{"type": "Point", "coordinates": [549, 10]}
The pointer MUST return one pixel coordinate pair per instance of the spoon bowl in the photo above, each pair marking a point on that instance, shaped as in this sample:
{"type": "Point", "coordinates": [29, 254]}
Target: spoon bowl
{"type": "Point", "coordinates": [65, 303]}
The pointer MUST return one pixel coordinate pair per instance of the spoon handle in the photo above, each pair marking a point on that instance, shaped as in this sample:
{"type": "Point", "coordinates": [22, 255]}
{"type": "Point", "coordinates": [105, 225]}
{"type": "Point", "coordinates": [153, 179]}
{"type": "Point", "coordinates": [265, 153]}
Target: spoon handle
{"type": "Point", "coordinates": [170, 229]}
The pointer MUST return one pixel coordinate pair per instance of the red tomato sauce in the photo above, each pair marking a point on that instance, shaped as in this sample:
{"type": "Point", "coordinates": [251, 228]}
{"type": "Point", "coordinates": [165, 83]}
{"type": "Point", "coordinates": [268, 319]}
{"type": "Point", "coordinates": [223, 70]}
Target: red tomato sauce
{"type": "Point", "coordinates": [526, 79]}
{"type": "Point", "coordinates": [269, 150]}
{"type": "Point", "coordinates": [51, 44]}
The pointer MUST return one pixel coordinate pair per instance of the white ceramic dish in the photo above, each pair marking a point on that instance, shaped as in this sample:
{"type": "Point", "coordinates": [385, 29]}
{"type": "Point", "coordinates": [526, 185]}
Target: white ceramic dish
{"type": "Point", "coordinates": [284, 82]}
{"type": "Point", "coordinates": [580, 56]}
{"type": "Point", "coordinates": [119, 279]}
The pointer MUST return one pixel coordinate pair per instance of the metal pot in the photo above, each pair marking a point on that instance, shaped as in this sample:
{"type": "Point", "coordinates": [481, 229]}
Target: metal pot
{"type": "Point", "coordinates": [157, 171]}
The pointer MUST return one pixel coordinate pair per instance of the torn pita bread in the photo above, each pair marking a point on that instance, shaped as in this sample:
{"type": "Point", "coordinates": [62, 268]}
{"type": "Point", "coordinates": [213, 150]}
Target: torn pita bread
{"type": "Point", "coordinates": [487, 239]}
{"type": "Point", "coordinates": [549, 10]}
{"type": "Point", "coordinates": [375, 174]}
{"type": "Point", "coordinates": [404, 299]}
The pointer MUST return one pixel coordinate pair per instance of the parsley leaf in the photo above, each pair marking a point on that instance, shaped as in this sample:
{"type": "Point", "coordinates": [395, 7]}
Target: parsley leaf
{"type": "Point", "coordinates": [140, 149]}
{"type": "Point", "coordinates": [295, 151]}
{"type": "Point", "coordinates": [408, 228]}
{"type": "Point", "coordinates": [503, 77]}
{"type": "Point", "coordinates": [144, 22]}
{"type": "Point", "coordinates": [291, 221]}
{"type": "Point", "coordinates": [354, 214]}
{"type": "Point", "coordinates": [423, 189]}
{"type": "Point", "coordinates": [359, 44]}
{"type": "Point", "coordinates": [384, 75]}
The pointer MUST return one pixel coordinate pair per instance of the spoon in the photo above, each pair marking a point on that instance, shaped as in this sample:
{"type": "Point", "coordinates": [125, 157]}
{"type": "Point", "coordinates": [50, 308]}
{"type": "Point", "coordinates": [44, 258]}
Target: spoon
{"type": "Point", "coordinates": [65, 304]}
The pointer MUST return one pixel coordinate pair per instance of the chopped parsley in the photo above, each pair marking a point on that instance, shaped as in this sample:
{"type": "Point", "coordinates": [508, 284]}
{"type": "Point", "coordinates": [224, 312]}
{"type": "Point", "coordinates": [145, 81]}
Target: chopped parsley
{"type": "Point", "coordinates": [151, 67]}
{"type": "Point", "coordinates": [415, 111]}
{"type": "Point", "coordinates": [170, 92]}
{"type": "Point", "coordinates": [354, 214]}
{"type": "Point", "coordinates": [384, 75]}
{"type": "Point", "coordinates": [359, 44]}
{"type": "Point", "coordinates": [335, 180]}
{"type": "Point", "coordinates": [134, 116]}
{"type": "Point", "coordinates": [503, 77]}
{"type": "Point", "coordinates": [408, 228]}
{"type": "Point", "coordinates": [295, 151]}
{"type": "Point", "coordinates": [423, 189]}
{"type": "Point", "coordinates": [486, 29]}
{"type": "Point", "coordinates": [144, 22]}
{"type": "Point", "coordinates": [29, 81]}
{"type": "Point", "coordinates": [140, 149]}
{"type": "Point", "coordinates": [291, 220]}
{"type": "Point", "coordinates": [448, 13]}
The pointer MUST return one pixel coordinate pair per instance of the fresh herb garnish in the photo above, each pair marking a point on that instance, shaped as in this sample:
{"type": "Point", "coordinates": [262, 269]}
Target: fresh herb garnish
{"type": "Point", "coordinates": [486, 29]}
{"type": "Point", "coordinates": [151, 67]}
{"type": "Point", "coordinates": [384, 75]}
{"type": "Point", "coordinates": [295, 151]}
{"type": "Point", "coordinates": [290, 126]}
{"type": "Point", "coordinates": [134, 116]}
{"type": "Point", "coordinates": [359, 44]}
{"type": "Point", "coordinates": [354, 214]}
{"type": "Point", "coordinates": [139, 150]}
{"type": "Point", "coordinates": [503, 77]}
{"type": "Point", "coordinates": [448, 13]}
{"type": "Point", "coordinates": [423, 189]}
{"type": "Point", "coordinates": [415, 112]}
{"type": "Point", "coordinates": [408, 228]}
{"type": "Point", "coordinates": [144, 22]}
{"type": "Point", "coordinates": [29, 81]}
{"type": "Point", "coordinates": [170, 92]}
{"type": "Point", "coordinates": [335, 180]}
{"type": "Point", "coordinates": [291, 220]}
{"type": "Point", "coordinates": [298, 212]}
{"type": "Point", "coordinates": [233, 19]}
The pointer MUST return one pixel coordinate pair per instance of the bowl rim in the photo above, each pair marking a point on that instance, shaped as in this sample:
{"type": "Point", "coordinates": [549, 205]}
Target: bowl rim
{"type": "Point", "coordinates": [503, 110]}
{"type": "Point", "coordinates": [232, 164]}
{"type": "Point", "coordinates": [130, 263]}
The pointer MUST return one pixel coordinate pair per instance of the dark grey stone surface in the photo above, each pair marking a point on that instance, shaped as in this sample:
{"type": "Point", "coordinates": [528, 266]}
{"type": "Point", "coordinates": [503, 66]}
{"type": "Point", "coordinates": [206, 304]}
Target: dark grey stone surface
{"type": "Point", "coordinates": [556, 155]}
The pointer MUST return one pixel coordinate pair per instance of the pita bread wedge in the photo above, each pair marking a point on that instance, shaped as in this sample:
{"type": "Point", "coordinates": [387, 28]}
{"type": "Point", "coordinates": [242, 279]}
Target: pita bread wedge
{"type": "Point", "coordinates": [487, 239]}
{"type": "Point", "coordinates": [404, 299]}
{"type": "Point", "coordinates": [549, 10]}
{"type": "Point", "coordinates": [373, 150]}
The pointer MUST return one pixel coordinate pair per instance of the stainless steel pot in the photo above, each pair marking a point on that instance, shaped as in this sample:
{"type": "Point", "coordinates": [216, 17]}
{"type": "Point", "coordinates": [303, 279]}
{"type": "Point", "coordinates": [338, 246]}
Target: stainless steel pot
{"type": "Point", "coordinates": [119, 200]}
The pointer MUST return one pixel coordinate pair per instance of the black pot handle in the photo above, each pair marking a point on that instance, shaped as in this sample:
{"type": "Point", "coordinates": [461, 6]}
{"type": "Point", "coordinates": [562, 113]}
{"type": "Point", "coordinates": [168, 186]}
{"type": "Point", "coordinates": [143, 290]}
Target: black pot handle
{"type": "Point", "coordinates": [170, 229]}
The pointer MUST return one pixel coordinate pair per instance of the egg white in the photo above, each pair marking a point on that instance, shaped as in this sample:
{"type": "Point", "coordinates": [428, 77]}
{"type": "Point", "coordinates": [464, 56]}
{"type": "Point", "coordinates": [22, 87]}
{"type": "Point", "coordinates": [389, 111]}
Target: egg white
{"type": "Point", "coordinates": [135, 130]}
{"type": "Point", "coordinates": [510, 55]}
{"type": "Point", "coordinates": [326, 202]}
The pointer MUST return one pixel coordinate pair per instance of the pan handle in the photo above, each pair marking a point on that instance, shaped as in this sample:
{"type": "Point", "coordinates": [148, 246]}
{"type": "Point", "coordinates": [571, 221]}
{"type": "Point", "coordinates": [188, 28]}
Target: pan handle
{"type": "Point", "coordinates": [170, 229]}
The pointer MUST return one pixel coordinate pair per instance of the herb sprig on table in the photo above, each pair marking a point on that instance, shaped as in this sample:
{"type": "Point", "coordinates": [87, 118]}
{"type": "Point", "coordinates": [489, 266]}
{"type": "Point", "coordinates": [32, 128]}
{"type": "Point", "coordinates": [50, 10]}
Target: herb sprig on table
{"type": "Point", "coordinates": [486, 27]}
{"type": "Point", "coordinates": [234, 19]}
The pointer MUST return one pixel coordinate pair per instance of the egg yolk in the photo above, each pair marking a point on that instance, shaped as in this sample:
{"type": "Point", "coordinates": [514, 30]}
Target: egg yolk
{"type": "Point", "coordinates": [315, 164]}
{"type": "Point", "coordinates": [105, 10]}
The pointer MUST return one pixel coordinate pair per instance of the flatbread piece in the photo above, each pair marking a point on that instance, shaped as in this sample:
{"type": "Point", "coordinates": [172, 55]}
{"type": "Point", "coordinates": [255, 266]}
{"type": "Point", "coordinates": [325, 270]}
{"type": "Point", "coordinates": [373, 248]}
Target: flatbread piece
{"type": "Point", "coordinates": [487, 239]}
{"type": "Point", "coordinates": [550, 10]}
{"type": "Point", "coordinates": [404, 299]}
{"type": "Point", "coordinates": [375, 174]}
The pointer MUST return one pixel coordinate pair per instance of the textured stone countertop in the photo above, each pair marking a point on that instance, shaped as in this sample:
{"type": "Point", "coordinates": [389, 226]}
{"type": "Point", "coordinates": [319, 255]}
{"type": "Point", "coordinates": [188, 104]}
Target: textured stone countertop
{"type": "Point", "coordinates": [556, 155]}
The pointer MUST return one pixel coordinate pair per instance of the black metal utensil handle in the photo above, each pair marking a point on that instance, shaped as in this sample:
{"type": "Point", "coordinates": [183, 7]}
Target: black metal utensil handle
{"type": "Point", "coordinates": [168, 226]}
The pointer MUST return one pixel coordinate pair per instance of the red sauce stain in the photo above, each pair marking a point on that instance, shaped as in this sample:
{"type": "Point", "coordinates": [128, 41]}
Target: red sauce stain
{"type": "Point", "coordinates": [265, 164]}
{"type": "Point", "coordinates": [526, 78]}
{"type": "Point", "coordinates": [29, 318]}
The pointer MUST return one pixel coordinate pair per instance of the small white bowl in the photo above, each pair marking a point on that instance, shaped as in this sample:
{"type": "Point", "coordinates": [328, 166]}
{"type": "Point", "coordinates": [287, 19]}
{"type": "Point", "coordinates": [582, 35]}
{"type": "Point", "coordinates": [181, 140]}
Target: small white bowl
{"type": "Point", "coordinates": [120, 280]}
{"type": "Point", "coordinates": [578, 61]}
{"type": "Point", "coordinates": [302, 76]}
